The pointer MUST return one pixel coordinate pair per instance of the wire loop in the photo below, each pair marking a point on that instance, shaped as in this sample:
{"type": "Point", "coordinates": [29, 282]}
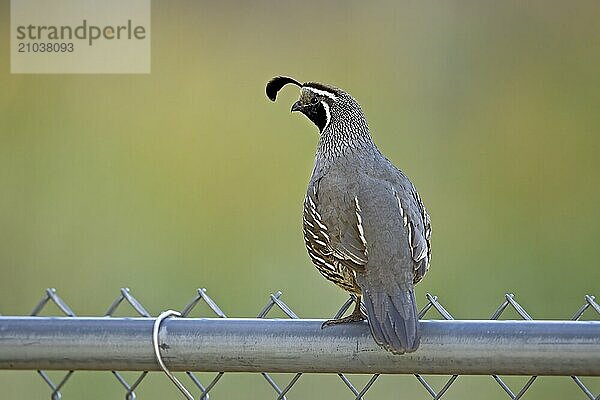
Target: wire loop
{"type": "Point", "coordinates": [163, 316]}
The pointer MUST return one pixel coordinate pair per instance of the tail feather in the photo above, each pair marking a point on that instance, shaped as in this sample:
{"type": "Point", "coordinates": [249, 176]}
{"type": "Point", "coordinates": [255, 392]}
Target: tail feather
{"type": "Point", "coordinates": [393, 320]}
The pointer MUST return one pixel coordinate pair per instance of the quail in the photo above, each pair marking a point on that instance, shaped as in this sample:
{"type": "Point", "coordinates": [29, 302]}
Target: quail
{"type": "Point", "coordinates": [365, 226]}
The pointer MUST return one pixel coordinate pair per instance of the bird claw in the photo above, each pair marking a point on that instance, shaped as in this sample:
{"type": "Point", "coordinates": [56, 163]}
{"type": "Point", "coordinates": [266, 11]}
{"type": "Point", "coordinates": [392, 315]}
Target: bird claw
{"type": "Point", "coordinates": [350, 318]}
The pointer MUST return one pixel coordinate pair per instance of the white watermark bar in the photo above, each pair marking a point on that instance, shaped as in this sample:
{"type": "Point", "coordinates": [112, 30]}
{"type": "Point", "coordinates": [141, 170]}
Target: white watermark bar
{"type": "Point", "coordinates": [80, 36]}
{"type": "Point", "coordinates": [473, 347]}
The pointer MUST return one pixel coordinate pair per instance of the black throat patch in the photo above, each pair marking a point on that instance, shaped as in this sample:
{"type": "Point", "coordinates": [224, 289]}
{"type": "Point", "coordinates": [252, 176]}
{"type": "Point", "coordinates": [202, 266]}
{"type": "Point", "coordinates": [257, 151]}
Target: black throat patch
{"type": "Point", "coordinates": [317, 114]}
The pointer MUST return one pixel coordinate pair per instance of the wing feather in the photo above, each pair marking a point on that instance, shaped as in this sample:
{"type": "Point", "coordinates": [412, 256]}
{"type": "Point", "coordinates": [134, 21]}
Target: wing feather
{"type": "Point", "coordinates": [418, 224]}
{"type": "Point", "coordinates": [345, 246]}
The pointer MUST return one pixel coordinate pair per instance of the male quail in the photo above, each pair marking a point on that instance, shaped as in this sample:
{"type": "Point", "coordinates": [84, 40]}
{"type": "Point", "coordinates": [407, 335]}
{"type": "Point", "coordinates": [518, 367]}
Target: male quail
{"type": "Point", "coordinates": [365, 226]}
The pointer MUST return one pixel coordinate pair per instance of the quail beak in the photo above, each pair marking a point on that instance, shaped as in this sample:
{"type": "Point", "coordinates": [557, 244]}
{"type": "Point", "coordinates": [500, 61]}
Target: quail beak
{"type": "Point", "coordinates": [297, 106]}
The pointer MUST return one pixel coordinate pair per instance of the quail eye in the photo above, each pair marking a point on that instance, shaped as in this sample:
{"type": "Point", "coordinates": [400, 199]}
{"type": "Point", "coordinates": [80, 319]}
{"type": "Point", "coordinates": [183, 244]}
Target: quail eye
{"type": "Point", "coordinates": [314, 100]}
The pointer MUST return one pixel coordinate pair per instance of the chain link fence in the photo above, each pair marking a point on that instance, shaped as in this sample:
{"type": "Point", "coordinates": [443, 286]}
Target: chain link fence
{"type": "Point", "coordinates": [202, 389]}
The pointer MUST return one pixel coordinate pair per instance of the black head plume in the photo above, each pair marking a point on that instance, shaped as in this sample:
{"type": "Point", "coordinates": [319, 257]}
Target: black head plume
{"type": "Point", "coordinates": [275, 85]}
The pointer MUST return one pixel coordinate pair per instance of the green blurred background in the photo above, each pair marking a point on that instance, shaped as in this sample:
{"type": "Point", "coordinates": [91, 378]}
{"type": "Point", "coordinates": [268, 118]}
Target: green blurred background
{"type": "Point", "coordinates": [189, 177]}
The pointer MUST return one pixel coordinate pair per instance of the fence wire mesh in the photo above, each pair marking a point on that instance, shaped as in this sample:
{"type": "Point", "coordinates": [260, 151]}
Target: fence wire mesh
{"type": "Point", "coordinates": [203, 390]}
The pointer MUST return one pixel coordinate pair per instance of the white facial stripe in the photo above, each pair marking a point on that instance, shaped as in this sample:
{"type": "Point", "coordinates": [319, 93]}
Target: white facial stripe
{"type": "Point", "coordinates": [327, 112]}
{"type": "Point", "coordinates": [321, 92]}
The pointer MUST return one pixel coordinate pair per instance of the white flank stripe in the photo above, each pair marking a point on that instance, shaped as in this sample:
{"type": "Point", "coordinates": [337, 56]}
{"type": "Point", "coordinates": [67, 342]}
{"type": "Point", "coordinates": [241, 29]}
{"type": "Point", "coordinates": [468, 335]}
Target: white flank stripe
{"type": "Point", "coordinates": [357, 205]}
{"type": "Point", "coordinates": [317, 216]}
{"type": "Point", "coordinates": [399, 205]}
{"type": "Point", "coordinates": [410, 240]}
{"type": "Point", "coordinates": [313, 235]}
{"type": "Point", "coordinates": [359, 223]}
{"type": "Point", "coordinates": [422, 255]}
{"type": "Point", "coordinates": [321, 225]}
{"type": "Point", "coordinates": [324, 263]}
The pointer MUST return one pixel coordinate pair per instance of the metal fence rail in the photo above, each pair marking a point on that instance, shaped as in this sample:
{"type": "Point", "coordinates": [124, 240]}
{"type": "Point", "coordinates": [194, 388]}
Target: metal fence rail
{"type": "Point", "coordinates": [261, 345]}
{"type": "Point", "coordinates": [257, 345]}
